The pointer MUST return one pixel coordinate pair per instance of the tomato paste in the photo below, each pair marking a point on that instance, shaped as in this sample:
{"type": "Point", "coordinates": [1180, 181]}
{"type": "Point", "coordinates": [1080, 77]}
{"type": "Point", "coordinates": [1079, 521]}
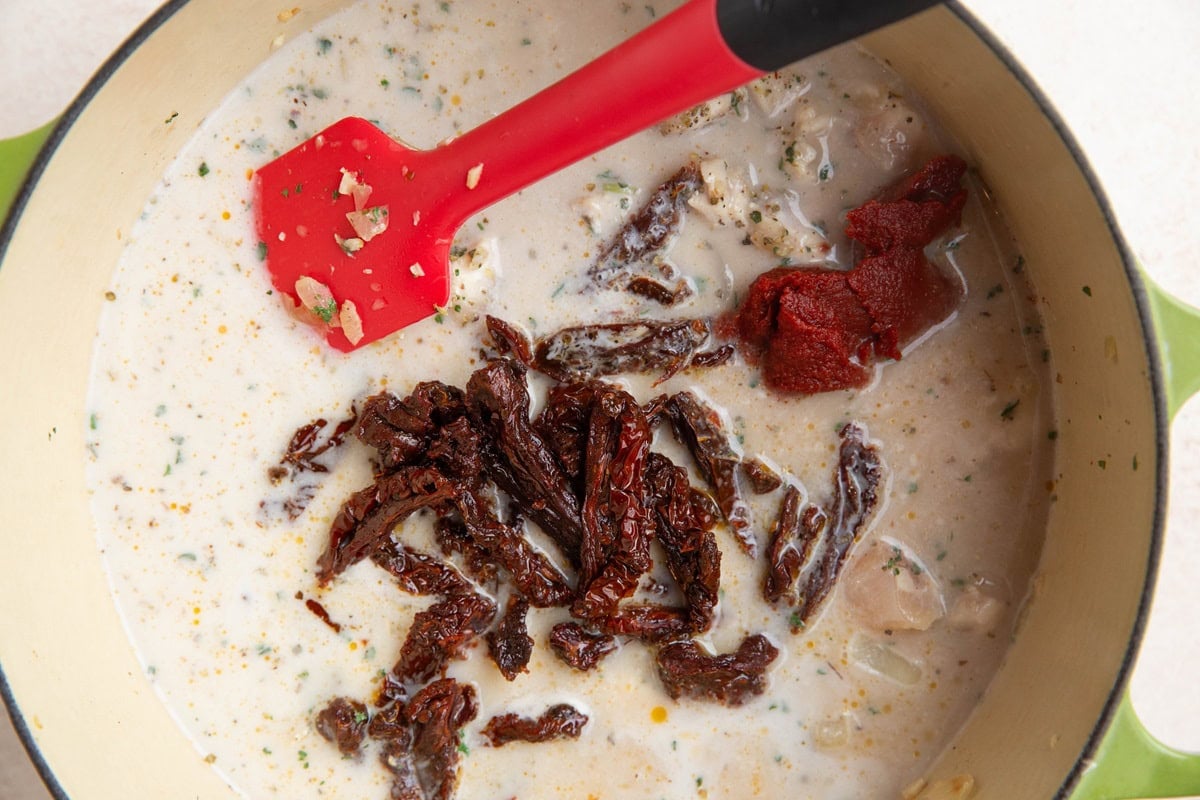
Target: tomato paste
{"type": "Point", "coordinates": [816, 330]}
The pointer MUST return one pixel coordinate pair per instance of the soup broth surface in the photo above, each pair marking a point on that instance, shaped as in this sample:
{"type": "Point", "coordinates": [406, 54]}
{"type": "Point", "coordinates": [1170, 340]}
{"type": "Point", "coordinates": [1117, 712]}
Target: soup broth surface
{"type": "Point", "coordinates": [200, 377]}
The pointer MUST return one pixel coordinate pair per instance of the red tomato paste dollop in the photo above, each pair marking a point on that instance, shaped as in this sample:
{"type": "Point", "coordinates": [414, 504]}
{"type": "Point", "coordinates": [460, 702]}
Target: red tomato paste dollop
{"type": "Point", "coordinates": [816, 330]}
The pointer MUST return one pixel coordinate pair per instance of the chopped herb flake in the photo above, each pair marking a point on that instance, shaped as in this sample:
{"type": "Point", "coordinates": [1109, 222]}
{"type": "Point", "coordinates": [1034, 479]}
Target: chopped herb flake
{"type": "Point", "coordinates": [326, 310]}
{"type": "Point", "coordinates": [1007, 413]}
{"type": "Point", "coordinates": [203, 169]}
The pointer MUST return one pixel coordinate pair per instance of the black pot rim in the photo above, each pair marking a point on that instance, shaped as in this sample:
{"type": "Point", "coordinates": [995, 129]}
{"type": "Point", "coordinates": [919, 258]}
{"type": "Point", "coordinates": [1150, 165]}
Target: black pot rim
{"type": "Point", "coordinates": [1132, 273]}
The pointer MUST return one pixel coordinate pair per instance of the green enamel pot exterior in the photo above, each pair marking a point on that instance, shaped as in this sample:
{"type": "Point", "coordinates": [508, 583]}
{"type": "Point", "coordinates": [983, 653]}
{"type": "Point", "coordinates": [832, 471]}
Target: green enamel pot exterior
{"type": "Point", "coordinates": [1129, 763]}
{"type": "Point", "coordinates": [16, 157]}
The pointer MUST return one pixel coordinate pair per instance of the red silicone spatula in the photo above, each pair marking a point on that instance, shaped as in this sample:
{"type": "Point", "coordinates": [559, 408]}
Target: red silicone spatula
{"type": "Point", "coordinates": [386, 265]}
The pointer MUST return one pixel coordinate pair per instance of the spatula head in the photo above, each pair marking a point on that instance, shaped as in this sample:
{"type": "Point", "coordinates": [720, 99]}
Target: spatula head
{"type": "Point", "coordinates": [339, 224]}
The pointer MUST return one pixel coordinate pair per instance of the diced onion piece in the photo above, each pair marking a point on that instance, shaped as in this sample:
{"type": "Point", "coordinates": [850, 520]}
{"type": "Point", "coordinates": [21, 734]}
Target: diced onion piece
{"type": "Point", "coordinates": [351, 322]}
{"type": "Point", "coordinates": [416, 270]}
{"type": "Point", "coordinates": [725, 200]}
{"type": "Point", "coordinates": [892, 137]}
{"type": "Point", "coordinates": [369, 222]}
{"type": "Point", "coordinates": [316, 297]}
{"type": "Point", "coordinates": [348, 182]}
{"type": "Point", "coordinates": [883, 660]}
{"type": "Point", "coordinates": [351, 185]}
{"type": "Point", "coordinates": [360, 194]}
{"type": "Point", "coordinates": [349, 246]}
{"type": "Point", "coordinates": [976, 611]}
{"type": "Point", "coordinates": [888, 588]}
{"type": "Point", "coordinates": [831, 734]}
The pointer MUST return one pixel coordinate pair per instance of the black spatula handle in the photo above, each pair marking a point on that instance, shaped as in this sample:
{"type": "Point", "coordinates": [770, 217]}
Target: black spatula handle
{"type": "Point", "coordinates": [770, 34]}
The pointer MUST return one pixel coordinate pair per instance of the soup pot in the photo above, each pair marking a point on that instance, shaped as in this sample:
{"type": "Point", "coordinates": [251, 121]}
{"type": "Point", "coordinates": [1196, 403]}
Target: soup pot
{"type": "Point", "coordinates": [1055, 721]}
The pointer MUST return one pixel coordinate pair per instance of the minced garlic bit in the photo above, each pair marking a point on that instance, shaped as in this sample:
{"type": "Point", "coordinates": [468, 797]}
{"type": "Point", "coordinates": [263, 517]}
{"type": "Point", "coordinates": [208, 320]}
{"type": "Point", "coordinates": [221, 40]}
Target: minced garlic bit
{"type": "Point", "coordinates": [348, 182]}
{"type": "Point", "coordinates": [474, 174]}
{"type": "Point", "coordinates": [351, 322]}
{"type": "Point", "coordinates": [316, 297]}
{"type": "Point", "coordinates": [286, 14]}
{"type": "Point", "coordinates": [355, 188]}
{"type": "Point", "coordinates": [369, 222]}
{"type": "Point", "coordinates": [349, 246]}
{"type": "Point", "coordinates": [416, 270]}
{"type": "Point", "coordinates": [705, 114]}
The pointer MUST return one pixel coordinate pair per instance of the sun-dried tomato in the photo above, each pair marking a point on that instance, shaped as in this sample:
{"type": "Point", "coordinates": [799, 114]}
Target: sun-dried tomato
{"type": "Point", "coordinates": [419, 573]}
{"type": "Point", "coordinates": [438, 713]}
{"type": "Point", "coordinates": [590, 351]}
{"type": "Point", "coordinates": [305, 446]}
{"type": "Point", "coordinates": [440, 633]}
{"type": "Point", "coordinates": [699, 428]}
{"type": "Point", "coordinates": [684, 527]}
{"type": "Point", "coordinates": [509, 340]}
{"type": "Point", "coordinates": [840, 522]}
{"type": "Point", "coordinates": [649, 230]}
{"type": "Point", "coordinates": [344, 722]}
{"type": "Point", "coordinates": [510, 644]}
{"type": "Point", "coordinates": [659, 292]}
{"type": "Point", "coordinates": [452, 537]}
{"type": "Point", "coordinates": [763, 479]}
{"type": "Point", "coordinates": [730, 678]}
{"type": "Point", "coordinates": [647, 621]}
{"type": "Point", "coordinates": [579, 648]}
{"type": "Point", "coordinates": [391, 728]}
{"type": "Point", "coordinates": [615, 550]}
{"type": "Point", "coordinates": [563, 424]}
{"type": "Point", "coordinates": [560, 721]}
{"type": "Point", "coordinates": [534, 575]}
{"type": "Point", "coordinates": [789, 550]}
{"type": "Point", "coordinates": [520, 462]}
{"type": "Point", "coordinates": [399, 429]}
{"type": "Point", "coordinates": [367, 518]}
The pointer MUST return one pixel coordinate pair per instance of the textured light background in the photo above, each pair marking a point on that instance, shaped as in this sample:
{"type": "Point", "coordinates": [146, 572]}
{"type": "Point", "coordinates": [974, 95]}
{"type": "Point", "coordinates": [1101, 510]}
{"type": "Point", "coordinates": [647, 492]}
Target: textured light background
{"type": "Point", "coordinates": [1125, 76]}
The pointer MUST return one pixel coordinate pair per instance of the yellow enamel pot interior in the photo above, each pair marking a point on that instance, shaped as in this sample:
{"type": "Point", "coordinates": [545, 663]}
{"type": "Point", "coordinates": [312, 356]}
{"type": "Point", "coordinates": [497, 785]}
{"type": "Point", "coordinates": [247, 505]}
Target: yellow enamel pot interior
{"type": "Point", "coordinates": [78, 686]}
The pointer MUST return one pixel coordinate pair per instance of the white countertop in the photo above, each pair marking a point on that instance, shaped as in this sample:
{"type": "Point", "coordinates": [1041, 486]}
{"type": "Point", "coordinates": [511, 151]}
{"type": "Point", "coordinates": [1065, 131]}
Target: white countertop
{"type": "Point", "coordinates": [1126, 78]}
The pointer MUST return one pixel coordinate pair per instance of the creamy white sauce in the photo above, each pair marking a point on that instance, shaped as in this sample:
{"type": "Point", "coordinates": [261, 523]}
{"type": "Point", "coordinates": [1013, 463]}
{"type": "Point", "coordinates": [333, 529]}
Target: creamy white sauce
{"type": "Point", "coordinates": [200, 377]}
